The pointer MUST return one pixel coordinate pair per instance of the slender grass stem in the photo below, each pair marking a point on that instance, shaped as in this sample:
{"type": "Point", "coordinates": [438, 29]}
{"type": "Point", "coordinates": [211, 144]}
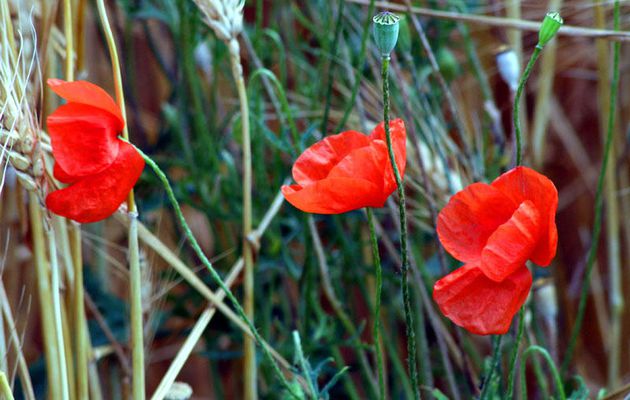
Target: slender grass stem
{"type": "Point", "coordinates": [67, 25]}
{"type": "Point", "coordinates": [333, 53]}
{"type": "Point", "coordinates": [193, 338]}
{"type": "Point", "coordinates": [411, 332]}
{"type": "Point", "coordinates": [359, 66]}
{"type": "Point", "coordinates": [5, 388]}
{"type": "Point", "coordinates": [514, 355]}
{"type": "Point", "coordinates": [135, 294]}
{"type": "Point", "coordinates": [496, 359]}
{"type": "Point", "coordinates": [597, 225]}
{"type": "Point", "coordinates": [552, 367]}
{"type": "Point", "coordinates": [56, 304]}
{"type": "Point", "coordinates": [337, 306]}
{"type": "Point", "coordinates": [249, 346]}
{"type": "Point", "coordinates": [81, 342]}
{"type": "Point", "coordinates": [516, 120]}
{"type": "Point", "coordinates": [51, 349]}
{"type": "Point", "coordinates": [213, 273]}
{"type": "Point", "coordinates": [81, 346]}
{"type": "Point", "coordinates": [376, 331]}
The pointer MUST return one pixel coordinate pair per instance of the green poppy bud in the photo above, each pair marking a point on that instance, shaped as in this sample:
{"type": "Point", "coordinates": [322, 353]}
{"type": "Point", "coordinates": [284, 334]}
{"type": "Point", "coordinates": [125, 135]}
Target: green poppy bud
{"type": "Point", "coordinates": [550, 25]}
{"type": "Point", "coordinates": [386, 27]}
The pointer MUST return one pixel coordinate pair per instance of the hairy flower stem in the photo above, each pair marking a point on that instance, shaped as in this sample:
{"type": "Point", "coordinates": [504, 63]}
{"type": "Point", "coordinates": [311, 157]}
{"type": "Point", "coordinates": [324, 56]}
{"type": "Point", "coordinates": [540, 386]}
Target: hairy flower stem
{"type": "Point", "coordinates": [597, 225]}
{"type": "Point", "coordinates": [514, 355]}
{"type": "Point", "coordinates": [517, 101]}
{"type": "Point", "coordinates": [135, 294]}
{"type": "Point", "coordinates": [213, 273]}
{"type": "Point", "coordinates": [404, 253]}
{"type": "Point", "coordinates": [376, 331]}
{"type": "Point", "coordinates": [496, 359]}
{"type": "Point", "coordinates": [249, 347]}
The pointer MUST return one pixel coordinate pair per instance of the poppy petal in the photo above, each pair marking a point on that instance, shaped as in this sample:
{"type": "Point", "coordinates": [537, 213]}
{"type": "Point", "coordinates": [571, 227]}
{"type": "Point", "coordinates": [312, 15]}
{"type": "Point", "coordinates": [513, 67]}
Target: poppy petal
{"type": "Point", "coordinates": [470, 217]}
{"type": "Point", "coordinates": [87, 93]}
{"type": "Point", "coordinates": [510, 246]}
{"type": "Point", "coordinates": [399, 143]}
{"type": "Point", "coordinates": [522, 183]}
{"type": "Point", "coordinates": [481, 306]}
{"type": "Point", "coordinates": [96, 197]}
{"type": "Point", "coordinates": [363, 163]}
{"type": "Point", "coordinates": [316, 162]}
{"type": "Point", "coordinates": [62, 176]}
{"type": "Point", "coordinates": [84, 138]}
{"type": "Point", "coordinates": [334, 195]}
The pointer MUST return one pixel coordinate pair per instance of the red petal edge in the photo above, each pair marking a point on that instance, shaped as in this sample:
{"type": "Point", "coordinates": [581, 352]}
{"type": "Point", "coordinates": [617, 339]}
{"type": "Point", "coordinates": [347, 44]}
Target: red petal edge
{"type": "Point", "coordinates": [316, 162]}
{"type": "Point", "coordinates": [510, 246]}
{"type": "Point", "coordinates": [470, 217]}
{"type": "Point", "coordinates": [98, 196]}
{"type": "Point", "coordinates": [84, 138]}
{"type": "Point", "coordinates": [334, 195]}
{"type": "Point", "coordinates": [479, 305]}
{"type": "Point", "coordinates": [522, 183]}
{"type": "Point", "coordinates": [87, 93]}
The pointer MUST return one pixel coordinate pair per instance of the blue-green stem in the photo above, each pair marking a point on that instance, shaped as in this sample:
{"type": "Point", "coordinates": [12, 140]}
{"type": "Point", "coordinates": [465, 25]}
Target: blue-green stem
{"type": "Point", "coordinates": [597, 225]}
{"type": "Point", "coordinates": [404, 253]}
{"type": "Point", "coordinates": [377, 304]}
{"type": "Point", "coordinates": [213, 273]}
{"type": "Point", "coordinates": [514, 355]}
{"type": "Point", "coordinates": [517, 101]}
{"type": "Point", "coordinates": [496, 359]}
{"type": "Point", "coordinates": [552, 367]}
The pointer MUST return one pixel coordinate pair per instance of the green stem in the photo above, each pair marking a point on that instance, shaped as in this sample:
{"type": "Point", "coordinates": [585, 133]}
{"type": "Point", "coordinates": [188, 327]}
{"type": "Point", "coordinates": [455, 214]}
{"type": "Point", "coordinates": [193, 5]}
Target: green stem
{"type": "Point", "coordinates": [552, 367]}
{"type": "Point", "coordinates": [333, 52]}
{"type": "Point", "coordinates": [213, 273]}
{"type": "Point", "coordinates": [496, 359]}
{"type": "Point", "coordinates": [377, 304]}
{"type": "Point", "coordinates": [521, 328]}
{"type": "Point", "coordinates": [411, 332]}
{"type": "Point", "coordinates": [516, 109]}
{"type": "Point", "coordinates": [358, 67]}
{"type": "Point", "coordinates": [597, 225]}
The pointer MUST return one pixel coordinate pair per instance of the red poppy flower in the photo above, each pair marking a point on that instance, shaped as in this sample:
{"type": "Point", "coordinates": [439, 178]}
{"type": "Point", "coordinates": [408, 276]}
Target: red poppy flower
{"type": "Point", "coordinates": [494, 229]}
{"type": "Point", "coordinates": [347, 171]}
{"type": "Point", "coordinates": [100, 168]}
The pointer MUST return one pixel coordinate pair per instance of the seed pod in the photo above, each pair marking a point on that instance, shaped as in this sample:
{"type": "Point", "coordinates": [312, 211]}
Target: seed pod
{"type": "Point", "coordinates": [550, 26]}
{"type": "Point", "coordinates": [386, 28]}
{"type": "Point", "coordinates": [26, 181]}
